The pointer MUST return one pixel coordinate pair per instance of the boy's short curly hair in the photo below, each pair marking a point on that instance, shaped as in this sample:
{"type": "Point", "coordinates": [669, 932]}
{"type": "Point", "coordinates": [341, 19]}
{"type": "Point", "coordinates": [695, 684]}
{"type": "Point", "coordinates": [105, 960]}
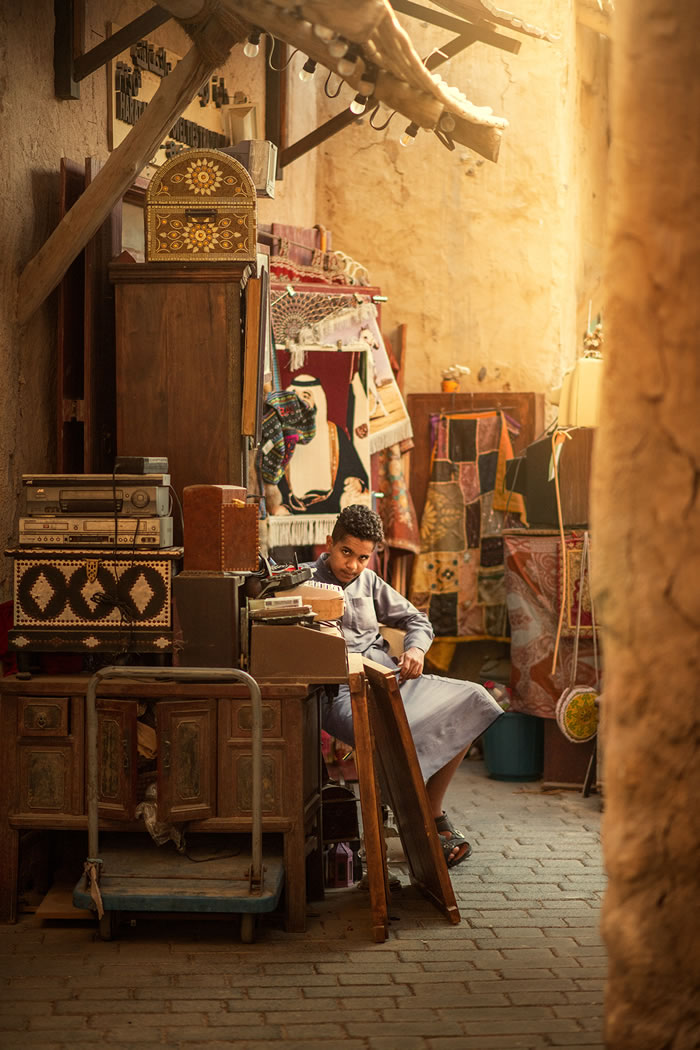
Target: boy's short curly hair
{"type": "Point", "coordinates": [358, 521]}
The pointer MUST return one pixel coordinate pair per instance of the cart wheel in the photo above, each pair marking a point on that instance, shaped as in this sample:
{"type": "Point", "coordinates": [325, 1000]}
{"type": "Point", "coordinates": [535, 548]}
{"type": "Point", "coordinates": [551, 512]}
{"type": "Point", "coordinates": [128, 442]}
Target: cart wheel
{"type": "Point", "coordinates": [247, 927]}
{"type": "Point", "coordinates": [107, 926]}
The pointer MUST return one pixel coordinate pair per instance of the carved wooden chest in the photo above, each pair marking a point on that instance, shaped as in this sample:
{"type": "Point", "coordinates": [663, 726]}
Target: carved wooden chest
{"type": "Point", "coordinates": [92, 601]}
{"type": "Point", "coordinates": [201, 206]}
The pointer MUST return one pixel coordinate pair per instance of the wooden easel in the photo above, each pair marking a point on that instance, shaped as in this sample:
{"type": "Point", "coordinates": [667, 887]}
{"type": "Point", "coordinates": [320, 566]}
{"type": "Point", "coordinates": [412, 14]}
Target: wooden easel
{"type": "Point", "coordinates": [382, 733]}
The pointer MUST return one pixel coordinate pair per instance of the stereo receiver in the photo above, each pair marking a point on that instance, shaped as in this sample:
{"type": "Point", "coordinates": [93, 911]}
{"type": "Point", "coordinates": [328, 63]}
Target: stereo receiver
{"type": "Point", "coordinates": [95, 495]}
{"type": "Point", "coordinates": [95, 532]}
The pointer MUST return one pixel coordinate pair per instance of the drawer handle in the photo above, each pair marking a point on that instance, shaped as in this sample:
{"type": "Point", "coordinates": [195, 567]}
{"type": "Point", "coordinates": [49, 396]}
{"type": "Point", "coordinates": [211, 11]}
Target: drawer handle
{"type": "Point", "coordinates": [41, 720]}
{"type": "Point", "coordinates": [166, 754]}
{"type": "Point", "coordinates": [200, 214]}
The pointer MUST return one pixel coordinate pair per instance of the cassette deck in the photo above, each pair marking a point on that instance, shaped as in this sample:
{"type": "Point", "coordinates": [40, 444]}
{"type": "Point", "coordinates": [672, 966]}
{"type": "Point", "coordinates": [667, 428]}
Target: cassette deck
{"type": "Point", "coordinates": [96, 495]}
{"type": "Point", "coordinates": [53, 531]}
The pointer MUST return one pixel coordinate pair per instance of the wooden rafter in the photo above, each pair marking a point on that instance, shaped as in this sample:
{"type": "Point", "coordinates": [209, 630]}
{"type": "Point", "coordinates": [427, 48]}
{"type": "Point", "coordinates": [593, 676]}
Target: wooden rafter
{"type": "Point", "coordinates": [479, 11]}
{"type": "Point", "coordinates": [386, 56]}
{"type": "Point", "coordinates": [125, 163]}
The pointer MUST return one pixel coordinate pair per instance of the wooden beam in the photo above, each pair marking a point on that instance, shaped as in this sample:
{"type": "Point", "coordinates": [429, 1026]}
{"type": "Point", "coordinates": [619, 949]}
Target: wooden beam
{"type": "Point", "coordinates": [276, 99]}
{"type": "Point", "coordinates": [320, 134]}
{"type": "Point", "coordinates": [457, 25]}
{"type": "Point", "coordinates": [402, 81]}
{"type": "Point", "coordinates": [85, 64]}
{"type": "Point", "coordinates": [483, 140]}
{"type": "Point", "coordinates": [595, 16]}
{"type": "Point", "coordinates": [68, 32]}
{"type": "Point", "coordinates": [483, 11]}
{"type": "Point", "coordinates": [175, 92]}
{"type": "Point", "coordinates": [487, 143]}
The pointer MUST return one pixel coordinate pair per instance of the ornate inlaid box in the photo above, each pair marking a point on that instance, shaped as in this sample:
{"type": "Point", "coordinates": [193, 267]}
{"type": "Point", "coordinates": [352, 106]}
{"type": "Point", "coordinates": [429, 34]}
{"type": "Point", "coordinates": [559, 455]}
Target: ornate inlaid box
{"type": "Point", "coordinates": [93, 601]}
{"type": "Point", "coordinates": [201, 206]}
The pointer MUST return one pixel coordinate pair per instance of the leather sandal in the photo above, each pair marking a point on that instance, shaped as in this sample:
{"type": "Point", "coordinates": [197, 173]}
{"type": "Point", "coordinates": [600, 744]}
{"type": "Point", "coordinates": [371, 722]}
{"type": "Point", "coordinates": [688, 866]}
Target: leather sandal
{"type": "Point", "coordinates": [451, 837]}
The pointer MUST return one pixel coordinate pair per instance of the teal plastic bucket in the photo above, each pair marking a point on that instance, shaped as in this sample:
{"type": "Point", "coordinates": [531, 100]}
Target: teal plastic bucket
{"type": "Point", "coordinates": [514, 747]}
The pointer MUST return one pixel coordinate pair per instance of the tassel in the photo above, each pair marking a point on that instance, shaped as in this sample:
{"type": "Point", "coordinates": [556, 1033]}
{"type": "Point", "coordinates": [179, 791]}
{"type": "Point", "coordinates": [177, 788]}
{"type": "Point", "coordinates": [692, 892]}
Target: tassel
{"type": "Point", "coordinates": [297, 356]}
{"type": "Point", "coordinates": [91, 870]}
{"type": "Point", "coordinates": [298, 530]}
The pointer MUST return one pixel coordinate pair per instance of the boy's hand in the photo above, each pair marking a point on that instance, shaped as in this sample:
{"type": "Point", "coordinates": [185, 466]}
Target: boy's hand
{"type": "Point", "coordinates": [411, 664]}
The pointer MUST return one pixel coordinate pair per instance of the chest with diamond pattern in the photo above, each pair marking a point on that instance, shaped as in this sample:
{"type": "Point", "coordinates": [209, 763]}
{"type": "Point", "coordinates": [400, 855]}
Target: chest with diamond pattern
{"type": "Point", "coordinates": [82, 601]}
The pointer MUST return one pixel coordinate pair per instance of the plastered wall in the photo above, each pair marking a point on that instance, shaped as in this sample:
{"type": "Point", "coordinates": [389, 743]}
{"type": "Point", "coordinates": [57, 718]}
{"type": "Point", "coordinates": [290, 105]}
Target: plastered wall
{"type": "Point", "coordinates": [490, 265]}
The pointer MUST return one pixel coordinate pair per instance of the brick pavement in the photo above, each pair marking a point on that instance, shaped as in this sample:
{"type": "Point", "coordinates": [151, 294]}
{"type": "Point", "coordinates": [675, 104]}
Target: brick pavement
{"type": "Point", "coordinates": [524, 968]}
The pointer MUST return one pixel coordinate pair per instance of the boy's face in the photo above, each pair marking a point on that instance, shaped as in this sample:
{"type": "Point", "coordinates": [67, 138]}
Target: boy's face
{"type": "Point", "coordinates": [348, 556]}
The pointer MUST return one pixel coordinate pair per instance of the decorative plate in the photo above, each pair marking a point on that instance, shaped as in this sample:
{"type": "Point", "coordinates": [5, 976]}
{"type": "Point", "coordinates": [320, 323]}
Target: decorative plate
{"type": "Point", "coordinates": [577, 714]}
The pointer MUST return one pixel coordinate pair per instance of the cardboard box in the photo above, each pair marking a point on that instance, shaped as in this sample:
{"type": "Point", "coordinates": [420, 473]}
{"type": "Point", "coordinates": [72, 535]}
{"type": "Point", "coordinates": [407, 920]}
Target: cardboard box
{"type": "Point", "coordinates": [328, 603]}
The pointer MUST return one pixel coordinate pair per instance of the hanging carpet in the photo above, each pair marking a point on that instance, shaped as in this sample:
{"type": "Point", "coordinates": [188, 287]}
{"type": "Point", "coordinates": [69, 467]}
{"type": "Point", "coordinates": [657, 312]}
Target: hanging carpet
{"type": "Point", "coordinates": [458, 577]}
{"type": "Point", "coordinates": [326, 320]}
{"type": "Point", "coordinates": [332, 469]}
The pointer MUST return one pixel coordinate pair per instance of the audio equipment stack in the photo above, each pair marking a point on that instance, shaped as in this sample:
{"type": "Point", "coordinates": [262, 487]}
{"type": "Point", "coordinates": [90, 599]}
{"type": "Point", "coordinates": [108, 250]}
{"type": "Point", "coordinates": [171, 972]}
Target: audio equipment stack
{"type": "Point", "coordinates": [96, 510]}
{"type": "Point", "coordinates": [94, 563]}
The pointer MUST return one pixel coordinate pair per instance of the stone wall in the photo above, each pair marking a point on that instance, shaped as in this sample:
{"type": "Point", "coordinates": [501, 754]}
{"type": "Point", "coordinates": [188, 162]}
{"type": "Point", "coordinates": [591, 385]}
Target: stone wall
{"type": "Point", "coordinates": [646, 524]}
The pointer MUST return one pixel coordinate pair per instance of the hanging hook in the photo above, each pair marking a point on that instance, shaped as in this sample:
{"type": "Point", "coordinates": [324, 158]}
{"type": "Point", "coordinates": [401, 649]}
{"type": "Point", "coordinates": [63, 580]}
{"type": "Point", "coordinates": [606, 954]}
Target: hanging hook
{"type": "Point", "coordinates": [337, 91]}
{"type": "Point", "coordinates": [386, 123]}
{"type": "Point", "coordinates": [445, 139]}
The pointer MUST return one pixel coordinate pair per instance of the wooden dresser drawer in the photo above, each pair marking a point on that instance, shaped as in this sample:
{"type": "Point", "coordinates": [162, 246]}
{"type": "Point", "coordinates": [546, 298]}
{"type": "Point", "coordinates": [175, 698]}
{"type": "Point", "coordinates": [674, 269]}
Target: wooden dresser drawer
{"type": "Point", "coordinates": [241, 726]}
{"type": "Point", "coordinates": [43, 716]}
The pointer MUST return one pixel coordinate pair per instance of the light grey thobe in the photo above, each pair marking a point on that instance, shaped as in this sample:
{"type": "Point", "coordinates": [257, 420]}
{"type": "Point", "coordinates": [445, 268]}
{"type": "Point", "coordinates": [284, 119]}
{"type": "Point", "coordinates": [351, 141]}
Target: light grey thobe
{"type": "Point", "coordinates": [445, 715]}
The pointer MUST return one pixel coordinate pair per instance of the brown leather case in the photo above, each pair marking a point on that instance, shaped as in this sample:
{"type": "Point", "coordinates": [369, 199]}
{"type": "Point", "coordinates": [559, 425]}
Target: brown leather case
{"type": "Point", "coordinates": [221, 530]}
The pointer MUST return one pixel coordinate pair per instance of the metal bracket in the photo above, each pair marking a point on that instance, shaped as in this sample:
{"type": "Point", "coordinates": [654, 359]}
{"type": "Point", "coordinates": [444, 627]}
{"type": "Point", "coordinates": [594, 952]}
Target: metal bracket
{"type": "Point", "coordinates": [70, 66]}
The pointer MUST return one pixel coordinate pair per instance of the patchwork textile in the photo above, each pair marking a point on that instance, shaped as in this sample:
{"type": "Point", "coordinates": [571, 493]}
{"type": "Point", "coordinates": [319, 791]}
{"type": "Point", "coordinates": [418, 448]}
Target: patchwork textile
{"type": "Point", "coordinates": [532, 568]}
{"type": "Point", "coordinates": [458, 577]}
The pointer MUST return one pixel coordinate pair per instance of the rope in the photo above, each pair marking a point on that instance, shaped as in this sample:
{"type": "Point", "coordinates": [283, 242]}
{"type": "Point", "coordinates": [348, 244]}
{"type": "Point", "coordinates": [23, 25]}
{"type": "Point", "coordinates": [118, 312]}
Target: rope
{"type": "Point", "coordinates": [558, 437]}
{"type": "Point", "coordinates": [214, 31]}
{"type": "Point", "coordinates": [91, 869]}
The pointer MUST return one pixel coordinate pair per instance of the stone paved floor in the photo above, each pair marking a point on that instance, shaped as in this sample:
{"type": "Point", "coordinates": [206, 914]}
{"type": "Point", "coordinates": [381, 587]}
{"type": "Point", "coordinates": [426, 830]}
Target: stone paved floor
{"type": "Point", "coordinates": [524, 968]}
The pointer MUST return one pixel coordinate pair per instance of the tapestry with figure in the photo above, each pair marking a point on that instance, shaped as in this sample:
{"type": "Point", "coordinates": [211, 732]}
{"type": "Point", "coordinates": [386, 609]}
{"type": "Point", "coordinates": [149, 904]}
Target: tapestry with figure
{"type": "Point", "coordinates": [458, 577]}
{"type": "Point", "coordinates": [332, 470]}
{"type": "Point", "coordinates": [310, 321]}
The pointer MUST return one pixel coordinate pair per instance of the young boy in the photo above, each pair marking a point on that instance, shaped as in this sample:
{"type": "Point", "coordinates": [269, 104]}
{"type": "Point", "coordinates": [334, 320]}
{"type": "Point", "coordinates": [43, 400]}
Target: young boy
{"type": "Point", "coordinates": [445, 715]}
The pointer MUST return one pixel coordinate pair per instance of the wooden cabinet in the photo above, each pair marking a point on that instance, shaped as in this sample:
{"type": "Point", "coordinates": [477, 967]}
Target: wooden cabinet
{"type": "Point", "coordinates": [202, 769]}
{"type": "Point", "coordinates": [46, 733]}
{"type": "Point", "coordinates": [179, 368]}
{"type": "Point", "coordinates": [116, 759]}
{"type": "Point", "coordinates": [187, 745]}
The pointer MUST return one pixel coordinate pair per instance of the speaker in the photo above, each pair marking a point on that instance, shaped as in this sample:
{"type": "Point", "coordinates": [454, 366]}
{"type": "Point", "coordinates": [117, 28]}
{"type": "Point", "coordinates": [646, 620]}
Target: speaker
{"type": "Point", "coordinates": [206, 617]}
